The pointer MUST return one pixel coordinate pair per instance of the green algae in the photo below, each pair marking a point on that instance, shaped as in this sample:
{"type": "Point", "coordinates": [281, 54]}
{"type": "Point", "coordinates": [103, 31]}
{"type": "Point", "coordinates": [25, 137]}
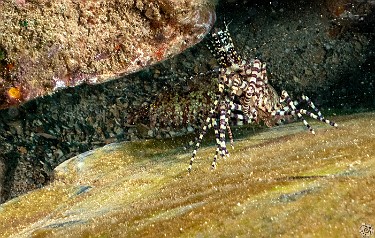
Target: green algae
{"type": "Point", "coordinates": [277, 182]}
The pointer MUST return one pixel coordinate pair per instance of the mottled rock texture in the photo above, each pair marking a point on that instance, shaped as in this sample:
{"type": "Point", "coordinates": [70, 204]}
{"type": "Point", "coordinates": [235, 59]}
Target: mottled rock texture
{"type": "Point", "coordinates": [280, 181]}
{"type": "Point", "coordinates": [47, 45]}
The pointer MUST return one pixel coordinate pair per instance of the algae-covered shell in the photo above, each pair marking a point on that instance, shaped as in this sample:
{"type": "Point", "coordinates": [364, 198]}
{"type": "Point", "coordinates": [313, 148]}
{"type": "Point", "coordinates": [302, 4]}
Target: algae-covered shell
{"type": "Point", "coordinates": [47, 45]}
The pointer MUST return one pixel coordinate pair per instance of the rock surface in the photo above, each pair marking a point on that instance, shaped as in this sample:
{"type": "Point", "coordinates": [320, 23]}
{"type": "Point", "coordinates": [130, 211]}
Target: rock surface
{"type": "Point", "coordinates": [49, 45]}
{"type": "Point", "coordinates": [280, 181]}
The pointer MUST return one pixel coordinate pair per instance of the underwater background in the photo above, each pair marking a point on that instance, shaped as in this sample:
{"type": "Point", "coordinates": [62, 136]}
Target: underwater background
{"type": "Point", "coordinates": [323, 48]}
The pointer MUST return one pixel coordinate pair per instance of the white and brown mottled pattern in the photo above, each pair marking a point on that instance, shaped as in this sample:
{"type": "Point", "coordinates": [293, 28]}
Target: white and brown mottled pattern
{"type": "Point", "coordinates": [244, 95]}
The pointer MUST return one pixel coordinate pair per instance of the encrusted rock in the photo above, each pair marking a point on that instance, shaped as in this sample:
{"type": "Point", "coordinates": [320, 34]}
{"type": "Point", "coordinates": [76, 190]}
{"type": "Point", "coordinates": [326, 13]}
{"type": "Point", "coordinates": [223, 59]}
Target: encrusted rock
{"type": "Point", "coordinates": [45, 46]}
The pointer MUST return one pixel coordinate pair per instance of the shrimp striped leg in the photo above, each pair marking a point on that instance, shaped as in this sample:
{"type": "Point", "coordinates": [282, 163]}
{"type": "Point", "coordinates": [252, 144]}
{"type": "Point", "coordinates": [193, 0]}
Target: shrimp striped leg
{"type": "Point", "coordinates": [285, 97]}
{"type": "Point", "coordinates": [200, 138]}
{"type": "Point", "coordinates": [210, 120]}
{"type": "Point", "coordinates": [291, 109]}
{"type": "Point", "coordinates": [319, 116]}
